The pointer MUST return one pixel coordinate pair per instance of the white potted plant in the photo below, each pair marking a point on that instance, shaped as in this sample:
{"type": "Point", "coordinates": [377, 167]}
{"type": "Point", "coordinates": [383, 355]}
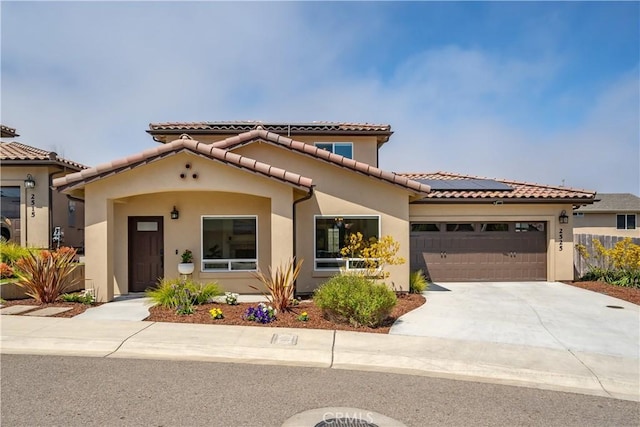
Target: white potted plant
{"type": "Point", "coordinates": [186, 266]}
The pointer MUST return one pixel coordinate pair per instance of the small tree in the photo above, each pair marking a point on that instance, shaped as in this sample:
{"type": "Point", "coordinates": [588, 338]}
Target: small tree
{"type": "Point", "coordinates": [376, 254]}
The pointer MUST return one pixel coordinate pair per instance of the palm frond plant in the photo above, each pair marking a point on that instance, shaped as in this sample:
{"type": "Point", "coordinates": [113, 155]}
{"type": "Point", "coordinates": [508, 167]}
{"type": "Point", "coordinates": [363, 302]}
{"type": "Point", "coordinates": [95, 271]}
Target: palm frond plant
{"type": "Point", "coordinates": [46, 275]}
{"type": "Point", "coordinates": [279, 284]}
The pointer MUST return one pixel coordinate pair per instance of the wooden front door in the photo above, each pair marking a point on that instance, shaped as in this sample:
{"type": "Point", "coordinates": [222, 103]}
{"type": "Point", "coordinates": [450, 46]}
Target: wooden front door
{"type": "Point", "coordinates": [146, 252]}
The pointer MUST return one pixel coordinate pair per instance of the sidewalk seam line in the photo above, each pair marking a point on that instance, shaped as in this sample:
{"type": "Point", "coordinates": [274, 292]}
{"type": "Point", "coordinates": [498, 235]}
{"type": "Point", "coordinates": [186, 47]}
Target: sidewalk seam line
{"type": "Point", "coordinates": [569, 350]}
{"type": "Point", "coordinates": [333, 348]}
{"type": "Point", "coordinates": [127, 339]}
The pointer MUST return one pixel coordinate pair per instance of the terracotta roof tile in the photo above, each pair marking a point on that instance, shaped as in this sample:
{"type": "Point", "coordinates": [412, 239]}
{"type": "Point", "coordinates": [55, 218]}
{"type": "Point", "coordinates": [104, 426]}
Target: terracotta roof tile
{"type": "Point", "coordinates": [83, 177]}
{"type": "Point", "coordinates": [248, 125]}
{"type": "Point", "coordinates": [521, 190]}
{"type": "Point", "coordinates": [15, 152]}
{"type": "Point", "coordinates": [318, 153]}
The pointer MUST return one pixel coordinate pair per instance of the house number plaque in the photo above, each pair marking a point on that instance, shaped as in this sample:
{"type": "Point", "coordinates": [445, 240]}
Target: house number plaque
{"type": "Point", "coordinates": [33, 205]}
{"type": "Point", "coordinates": [560, 238]}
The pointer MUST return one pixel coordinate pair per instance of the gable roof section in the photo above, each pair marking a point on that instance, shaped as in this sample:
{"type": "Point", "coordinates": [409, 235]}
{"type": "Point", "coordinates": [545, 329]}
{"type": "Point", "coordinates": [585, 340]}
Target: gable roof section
{"type": "Point", "coordinates": [613, 203]}
{"type": "Point", "coordinates": [521, 191]}
{"type": "Point", "coordinates": [383, 132]}
{"type": "Point", "coordinates": [86, 176]}
{"type": "Point", "coordinates": [261, 134]}
{"type": "Point", "coordinates": [15, 153]}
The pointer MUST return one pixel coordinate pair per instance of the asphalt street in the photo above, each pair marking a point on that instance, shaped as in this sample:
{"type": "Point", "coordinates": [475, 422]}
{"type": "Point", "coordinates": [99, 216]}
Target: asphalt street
{"type": "Point", "coordinates": [79, 391]}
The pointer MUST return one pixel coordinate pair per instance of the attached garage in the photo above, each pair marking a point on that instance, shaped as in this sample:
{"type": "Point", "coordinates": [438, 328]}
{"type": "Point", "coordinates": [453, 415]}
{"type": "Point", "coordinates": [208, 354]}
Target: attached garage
{"type": "Point", "coordinates": [480, 251]}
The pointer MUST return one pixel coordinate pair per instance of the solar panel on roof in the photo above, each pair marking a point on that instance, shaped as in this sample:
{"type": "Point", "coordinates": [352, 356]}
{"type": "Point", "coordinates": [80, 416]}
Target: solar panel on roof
{"type": "Point", "coordinates": [466, 184]}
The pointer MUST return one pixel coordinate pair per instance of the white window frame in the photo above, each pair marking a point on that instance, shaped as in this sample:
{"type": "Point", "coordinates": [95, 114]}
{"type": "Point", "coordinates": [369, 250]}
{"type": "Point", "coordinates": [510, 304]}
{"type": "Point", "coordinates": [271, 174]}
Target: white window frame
{"type": "Point", "coordinates": [228, 261]}
{"type": "Point", "coordinates": [344, 263]}
{"type": "Point", "coordinates": [626, 221]}
{"type": "Point", "coordinates": [333, 146]}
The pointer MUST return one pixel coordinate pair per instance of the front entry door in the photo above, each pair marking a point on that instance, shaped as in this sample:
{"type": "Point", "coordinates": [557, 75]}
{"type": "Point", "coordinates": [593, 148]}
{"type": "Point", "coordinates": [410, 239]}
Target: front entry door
{"type": "Point", "coordinates": [146, 252]}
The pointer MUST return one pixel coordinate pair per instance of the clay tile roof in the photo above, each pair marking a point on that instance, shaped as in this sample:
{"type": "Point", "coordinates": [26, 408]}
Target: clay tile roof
{"type": "Point", "coordinates": [14, 152]}
{"type": "Point", "coordinates": [7, 132]}
{"type": "Point", "coordinates": [318, 153]}
{"type": "Point", "coordinates": [382, 131]}
{"type": "Point", "coordinates": [521, 190]}
{"type": "Point", "coordinates": [81, 178]}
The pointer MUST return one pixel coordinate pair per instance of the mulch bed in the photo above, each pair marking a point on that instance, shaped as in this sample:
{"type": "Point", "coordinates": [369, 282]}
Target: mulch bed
{"type": "Point", "coordinates": [631, 295]}
{"type": "Point", "coordinates": [76, 308]}
{"type": "Point", "coordinates": [233, 316]}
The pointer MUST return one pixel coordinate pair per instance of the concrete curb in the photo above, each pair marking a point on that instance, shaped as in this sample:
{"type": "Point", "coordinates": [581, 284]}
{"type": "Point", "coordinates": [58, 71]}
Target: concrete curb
{"type": "Point", "coordinates": [544, 368]}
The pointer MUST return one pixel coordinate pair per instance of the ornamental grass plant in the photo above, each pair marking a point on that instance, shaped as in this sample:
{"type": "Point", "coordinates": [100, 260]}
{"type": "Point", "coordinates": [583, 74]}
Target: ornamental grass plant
{"type": "Point", "coordinates": [45, 275]}
{"type": "Point", "coordinates": [355, 299]}
{"type": "Point", "coordinates": [280, 284]}
{"type": "Point", "coordinates": [183, 295]}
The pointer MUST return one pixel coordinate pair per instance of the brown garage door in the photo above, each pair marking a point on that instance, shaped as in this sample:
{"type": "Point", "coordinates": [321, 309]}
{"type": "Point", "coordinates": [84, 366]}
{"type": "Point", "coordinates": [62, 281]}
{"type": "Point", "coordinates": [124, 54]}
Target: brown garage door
{"type": "Point", "coordinates": [451, 252]}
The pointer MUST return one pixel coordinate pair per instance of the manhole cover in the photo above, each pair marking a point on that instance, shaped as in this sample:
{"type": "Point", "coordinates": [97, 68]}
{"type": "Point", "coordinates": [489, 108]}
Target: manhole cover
{"type": "Point", "coordinates": [345, 422]}
{"type": "Point", "coordinates": [341, 417]}
{"type": "Point", "coordinates": [615, 306]}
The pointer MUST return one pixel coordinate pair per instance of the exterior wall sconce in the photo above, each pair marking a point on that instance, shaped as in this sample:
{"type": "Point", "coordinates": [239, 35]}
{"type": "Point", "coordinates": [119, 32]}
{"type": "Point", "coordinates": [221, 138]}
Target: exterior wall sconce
{"type": "Point", "coordinates": [29, 182]}
{"type": "Point", "coordinates": [174, 213]}
{"type": "Point", "coordinates": [563, 218]}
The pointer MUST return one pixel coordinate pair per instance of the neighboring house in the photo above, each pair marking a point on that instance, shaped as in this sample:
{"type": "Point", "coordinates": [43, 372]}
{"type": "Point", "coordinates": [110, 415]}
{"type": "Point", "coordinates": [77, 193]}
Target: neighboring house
{"type": "Point", "coordinates": [249, 195]}
{"type": "Point", "coordinates": [31, 211]}
{"type": "Point", "coordinates": [611, 214]}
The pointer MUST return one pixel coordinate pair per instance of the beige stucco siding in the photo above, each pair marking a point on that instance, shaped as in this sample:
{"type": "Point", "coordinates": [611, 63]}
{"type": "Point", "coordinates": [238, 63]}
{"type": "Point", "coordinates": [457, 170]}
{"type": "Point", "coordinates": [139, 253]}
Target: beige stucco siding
{"type": "Point", "coordinates": [559, 236]}
{"type": "Point", "coordinates": [153, 190]}
{"type": "Point", "coordinates": [340, 192]}
{"type": "Point", "coordinates": [35, 206]}
{"type": "Point", "coordinates": [602, 224]}
{"type": "Point", "coordinates": [365, 148]}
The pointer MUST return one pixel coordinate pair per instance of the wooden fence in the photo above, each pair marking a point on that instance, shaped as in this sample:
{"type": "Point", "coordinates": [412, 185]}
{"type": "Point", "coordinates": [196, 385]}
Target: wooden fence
{"type": "Point", "coordinates": [580, 266]}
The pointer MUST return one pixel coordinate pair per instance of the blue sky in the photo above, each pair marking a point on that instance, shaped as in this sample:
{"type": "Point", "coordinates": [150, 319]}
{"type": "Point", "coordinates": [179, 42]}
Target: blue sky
{"type": "Point", "coordinates": [544, 92]}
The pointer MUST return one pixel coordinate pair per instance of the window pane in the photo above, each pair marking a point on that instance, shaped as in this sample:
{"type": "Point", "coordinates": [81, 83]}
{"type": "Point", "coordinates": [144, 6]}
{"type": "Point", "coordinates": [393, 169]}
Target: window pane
{"type": "Point", "coordinates": [328, 147]}
{"type": "Point", "coordinates": [529, 226]}
{"type": "Point", "coordinates": [344, 149]}
{"type": "Point", "coordinates": [494, 227]}
{"type": "Point", "coordinates": [620, 222]}
{"type": "Point", "coordinates": [631, 222]}
{"type": "Point", "coordinates": [147, 226]}
{"type": "Point", "coordinates": [333, 233]}
{"type": "Point", "coordinates": [459, 227]}
{"type": "Point", "coordinates": [228, 239]}
{"type": "Point", "coordinates": [425, 227]}
{"type": "Point", "coordinates": [10, 202]}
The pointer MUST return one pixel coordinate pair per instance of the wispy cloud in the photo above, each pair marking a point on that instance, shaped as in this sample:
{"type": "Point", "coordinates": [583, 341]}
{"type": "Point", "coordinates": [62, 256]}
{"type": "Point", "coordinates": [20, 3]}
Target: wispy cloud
{"type": "Point", "coordinates": [86, 79]}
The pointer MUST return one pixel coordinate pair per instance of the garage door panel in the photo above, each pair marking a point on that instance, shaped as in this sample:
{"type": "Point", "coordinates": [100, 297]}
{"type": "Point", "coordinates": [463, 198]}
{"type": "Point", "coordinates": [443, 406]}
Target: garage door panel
{"type": "Point", "coordinates": [480, 256]}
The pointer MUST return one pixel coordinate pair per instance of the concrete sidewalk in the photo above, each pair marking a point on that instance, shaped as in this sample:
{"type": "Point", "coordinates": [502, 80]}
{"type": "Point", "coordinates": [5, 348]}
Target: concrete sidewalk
{"type": "Point", "coordinates": [547, 368]}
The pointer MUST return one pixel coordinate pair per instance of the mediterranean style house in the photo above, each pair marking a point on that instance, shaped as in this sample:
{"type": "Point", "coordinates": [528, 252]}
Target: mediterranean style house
{"type": "Point", "coordinates": [34, 215]}
{"type": "Point", "coordinates": [244, 196]}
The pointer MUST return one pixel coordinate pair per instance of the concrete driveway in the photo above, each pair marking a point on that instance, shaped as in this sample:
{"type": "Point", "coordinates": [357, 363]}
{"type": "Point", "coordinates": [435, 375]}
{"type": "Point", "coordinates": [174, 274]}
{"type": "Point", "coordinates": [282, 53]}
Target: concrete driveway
{"type": "Point", "coordinates": [535, 314]}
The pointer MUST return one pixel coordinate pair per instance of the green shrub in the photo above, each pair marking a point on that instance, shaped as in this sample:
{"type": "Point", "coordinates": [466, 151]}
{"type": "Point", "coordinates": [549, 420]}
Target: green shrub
{"type": "Point", "coordinates": [417, 282]}
{"type": "Point", "coordinates": [183, 295]}
{"type": "Point", "coordinates": [355, 299]}
{"type": "Point", "coordinates": [84, 298]}
{"type": "Point", "coordinates": [11, 252]}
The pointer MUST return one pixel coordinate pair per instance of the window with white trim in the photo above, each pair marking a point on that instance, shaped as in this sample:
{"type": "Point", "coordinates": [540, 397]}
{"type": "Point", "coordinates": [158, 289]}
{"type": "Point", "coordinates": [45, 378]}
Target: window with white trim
{"type": "Point", "coordinates": [626, 221]}
{"type": "Point", "coordinates": [229, 243]}
{"type": "Point", "coordinates": [344, 149]}
{"type": "Point", "coordinates": [332, 234]}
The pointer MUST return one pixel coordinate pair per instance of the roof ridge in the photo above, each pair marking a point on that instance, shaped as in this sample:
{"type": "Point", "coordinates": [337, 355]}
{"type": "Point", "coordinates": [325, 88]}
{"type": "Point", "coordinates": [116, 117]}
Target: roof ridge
{"type": "Point", "coordinates": [319, 153]}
